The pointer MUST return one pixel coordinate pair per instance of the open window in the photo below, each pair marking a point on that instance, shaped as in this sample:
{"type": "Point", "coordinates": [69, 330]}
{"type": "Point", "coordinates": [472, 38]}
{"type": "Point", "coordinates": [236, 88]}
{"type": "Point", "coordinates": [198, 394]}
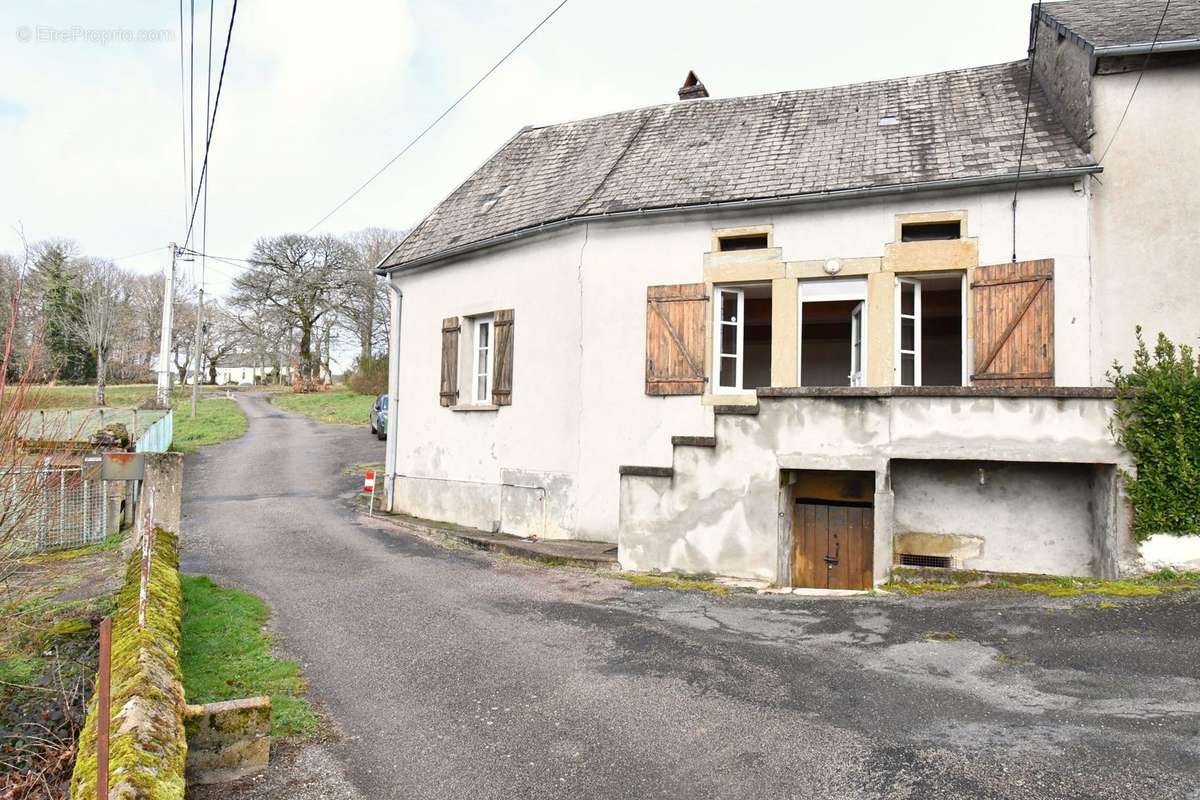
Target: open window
{"type": "Point", "coordinates": [833, 332]}
{"type": "Point", "coordinates": [930, 330]}
{"type": "Point", "coordinates": [742, 338]}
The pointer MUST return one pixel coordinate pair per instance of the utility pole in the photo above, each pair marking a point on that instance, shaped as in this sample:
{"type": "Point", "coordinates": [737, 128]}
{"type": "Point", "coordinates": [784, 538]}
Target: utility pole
{"type": "Point", "coordinates": [199, 336]}
{"type": "Point", "coordinates": [164, 344]}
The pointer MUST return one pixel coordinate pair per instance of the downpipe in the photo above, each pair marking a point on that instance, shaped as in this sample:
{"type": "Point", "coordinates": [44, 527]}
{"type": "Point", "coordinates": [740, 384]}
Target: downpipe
{"type": "Point", "coordinates": [391, 449]}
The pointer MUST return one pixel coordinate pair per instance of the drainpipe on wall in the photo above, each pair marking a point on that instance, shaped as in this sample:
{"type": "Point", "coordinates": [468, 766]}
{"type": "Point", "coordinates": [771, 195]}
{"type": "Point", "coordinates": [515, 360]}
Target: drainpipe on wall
{"type": "Point", "coordinates": [395, 297]}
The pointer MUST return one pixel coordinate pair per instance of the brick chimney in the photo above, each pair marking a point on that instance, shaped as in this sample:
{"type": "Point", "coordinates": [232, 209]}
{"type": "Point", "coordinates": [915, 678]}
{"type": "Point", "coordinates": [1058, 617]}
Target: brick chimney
{"type": "Point", "coordinates": [692, 88]}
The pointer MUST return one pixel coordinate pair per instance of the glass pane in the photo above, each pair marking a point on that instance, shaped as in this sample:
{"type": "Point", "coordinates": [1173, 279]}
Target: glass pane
{"type": "Point", "coordinates": [729, 304]}
{"type": "Point", "coordinates": [482, 369]}
{"type": "Point", "coordinates": [908, 295]}
{"type": "Point", "coordinates": [907, 334]}
{"type": "Point", "coordinates": [856, 356]}
{"type": "Point", "coordinates": [481, 387]}
{"type": "Point", "coordinates": [729, 340]}
{"type": "Point", "coordinates": [729, 372]}
{"type": "Point", "coordinates": [484, 329]}
{"type": "Point", "coordinates": [907, 369]}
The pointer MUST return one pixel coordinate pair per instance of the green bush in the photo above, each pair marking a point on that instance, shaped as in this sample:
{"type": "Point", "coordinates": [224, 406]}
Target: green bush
{"type": "Point", "coordinates": [370, 376]}
{"type": "Point", "coordinates": [1158, 421]}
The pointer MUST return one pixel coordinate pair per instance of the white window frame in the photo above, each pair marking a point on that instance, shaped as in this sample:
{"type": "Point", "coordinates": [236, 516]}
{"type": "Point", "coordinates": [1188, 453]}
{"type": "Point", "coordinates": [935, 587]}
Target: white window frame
{"type": "Point", "coordinates": [915, 316]}
{"type": "Point", "coordinates": [740, 340]}
{"type": "Point", "coordinates": [829, 290]}
{"type": "Point", "coordinates": [858, 334]}
{"type": "Point", "coordinates": [916, 281]}
{"type": "Point", "coordinates": [477, 325]}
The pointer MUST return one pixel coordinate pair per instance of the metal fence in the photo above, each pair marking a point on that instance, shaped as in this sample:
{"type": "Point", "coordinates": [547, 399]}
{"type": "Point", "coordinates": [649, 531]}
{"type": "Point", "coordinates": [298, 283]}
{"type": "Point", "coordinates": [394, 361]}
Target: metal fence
{"type": "Point", "coordinates": [59, 508]}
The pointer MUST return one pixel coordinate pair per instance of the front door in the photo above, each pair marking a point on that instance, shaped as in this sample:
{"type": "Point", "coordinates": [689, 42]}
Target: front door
{"type": "Point", "coordinates": [832, 545]}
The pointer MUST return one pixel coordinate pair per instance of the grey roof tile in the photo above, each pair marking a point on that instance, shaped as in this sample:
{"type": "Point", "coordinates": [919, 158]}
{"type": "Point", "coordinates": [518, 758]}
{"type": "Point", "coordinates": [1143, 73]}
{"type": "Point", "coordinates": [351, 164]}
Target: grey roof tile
{"type": "Point", "coordinates": [960, 124]}
{"type": "Point", "coordinates": [1112, 23]}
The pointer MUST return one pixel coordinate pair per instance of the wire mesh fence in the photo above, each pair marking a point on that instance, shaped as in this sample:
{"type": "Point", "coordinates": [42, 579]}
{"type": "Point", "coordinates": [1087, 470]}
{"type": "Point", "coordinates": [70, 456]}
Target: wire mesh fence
{"type": "Point", "coordinates": [53, 508]}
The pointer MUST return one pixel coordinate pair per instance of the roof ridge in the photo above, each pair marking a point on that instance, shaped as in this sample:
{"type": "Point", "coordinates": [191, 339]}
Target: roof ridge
{"type": "Point", "coordinates": [742, 97]}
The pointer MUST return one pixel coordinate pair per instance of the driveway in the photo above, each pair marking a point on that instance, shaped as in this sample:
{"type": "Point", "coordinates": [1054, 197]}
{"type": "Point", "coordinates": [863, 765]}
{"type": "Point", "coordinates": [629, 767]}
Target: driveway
{"type": "Point", "coordinates": [452, 673]}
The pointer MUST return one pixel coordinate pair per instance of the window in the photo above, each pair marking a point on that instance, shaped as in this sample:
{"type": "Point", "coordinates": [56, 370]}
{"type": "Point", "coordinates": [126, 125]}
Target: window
{"type": "Point", "coordinates": [742, 338]}
{"type": "Point", "coordinates": [833, 332]}
{"type": "Point", "coordinates": [930, 231]}
{"type": "Point", "coordinates": [757, 241]}
{"type": "Point", "coordinates": [482, 361]}
{"type": "Point", "coordinates": [930, 334]}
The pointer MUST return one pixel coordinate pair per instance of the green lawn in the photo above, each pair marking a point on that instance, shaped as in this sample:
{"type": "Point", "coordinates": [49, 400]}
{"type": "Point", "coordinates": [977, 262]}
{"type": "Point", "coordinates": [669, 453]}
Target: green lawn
{"type": "Point", "coordinates": [62, 396]}
{"type": "Point", "coordinates": [217, 420]}
{"type": "Point", "coordinates": [339, 406]}
{"type": "Point", "coordinates": [226, 655]}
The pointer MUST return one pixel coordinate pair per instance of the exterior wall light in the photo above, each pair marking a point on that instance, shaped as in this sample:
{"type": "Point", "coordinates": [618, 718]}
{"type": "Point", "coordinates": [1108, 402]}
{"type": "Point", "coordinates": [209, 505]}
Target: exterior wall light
{"type": "Point", "coordinates": [833, 266]}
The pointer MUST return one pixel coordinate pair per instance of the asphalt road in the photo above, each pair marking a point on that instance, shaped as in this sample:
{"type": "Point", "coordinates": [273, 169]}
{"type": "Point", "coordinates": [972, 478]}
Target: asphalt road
{"type": "Point", "coordinates": [454, 674]}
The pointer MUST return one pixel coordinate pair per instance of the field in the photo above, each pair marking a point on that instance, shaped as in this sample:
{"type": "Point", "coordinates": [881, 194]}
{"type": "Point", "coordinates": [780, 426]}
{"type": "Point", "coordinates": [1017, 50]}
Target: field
{"type": "Point", "coordinates": [217, 419]}
{"type": "Point", "coordinates": [339, 406]}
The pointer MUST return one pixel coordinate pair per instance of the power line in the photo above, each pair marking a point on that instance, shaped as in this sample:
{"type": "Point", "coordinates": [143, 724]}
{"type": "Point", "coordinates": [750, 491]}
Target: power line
{"type": "Point", "coordinates": [1138, 83]}
{"type": "Point", "coordinates": [1037, 20]}
{"type": "Point", "coordinates": [140, 253]}
{"type": "Point", "coordinates": [439, 118]}
{"type": "Point", "coordinates": [213, 123]}
{"type": "Point", "coordinates": [192, 96]}
{"type": "Point", "coordinates": [187, 189]}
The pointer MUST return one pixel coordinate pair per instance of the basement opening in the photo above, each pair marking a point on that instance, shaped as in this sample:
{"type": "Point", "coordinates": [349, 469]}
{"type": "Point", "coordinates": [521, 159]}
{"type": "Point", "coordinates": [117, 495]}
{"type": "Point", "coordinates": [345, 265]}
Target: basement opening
{"type": "Point", "coordinates": [917, 560]}
{"type": "Point", "coordinates": [833, 528]}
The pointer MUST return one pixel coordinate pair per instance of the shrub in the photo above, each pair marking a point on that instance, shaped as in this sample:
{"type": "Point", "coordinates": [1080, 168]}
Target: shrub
{"type": "Point", "coordinates": [1158, 421]}
{"type": "Point", "coordinates": [370, 376]}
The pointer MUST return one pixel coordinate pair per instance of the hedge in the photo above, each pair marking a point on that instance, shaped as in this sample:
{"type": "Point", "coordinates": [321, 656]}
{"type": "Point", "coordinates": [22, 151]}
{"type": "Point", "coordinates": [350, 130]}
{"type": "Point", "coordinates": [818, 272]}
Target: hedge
{"type": "Point", "coordinates": [1158, 421]}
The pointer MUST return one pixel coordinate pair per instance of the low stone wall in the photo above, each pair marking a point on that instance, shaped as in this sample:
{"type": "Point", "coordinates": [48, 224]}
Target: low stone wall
{"type": "Point", "coordinates": [228, 740]}
{"type": "Point", "coordinates": [147, 746]}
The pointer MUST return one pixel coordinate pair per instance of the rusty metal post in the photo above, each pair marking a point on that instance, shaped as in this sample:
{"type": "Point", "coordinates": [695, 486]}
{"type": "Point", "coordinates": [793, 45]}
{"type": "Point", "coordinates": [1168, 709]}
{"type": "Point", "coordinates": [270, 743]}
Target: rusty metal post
{"type": "Point", "coordinates": [104, 708]}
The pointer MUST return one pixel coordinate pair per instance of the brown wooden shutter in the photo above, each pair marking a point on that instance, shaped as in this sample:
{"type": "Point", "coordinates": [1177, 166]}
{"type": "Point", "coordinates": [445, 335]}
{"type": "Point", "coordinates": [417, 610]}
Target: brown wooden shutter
{"type": "Point", "coordinates": [450, 330]}
{"type": "Point", "coordinates": [1014, 324]}
{"type": "Point", "coordinates": [675, 318]}
{"type": "Point", "coordinates": [503, 365]}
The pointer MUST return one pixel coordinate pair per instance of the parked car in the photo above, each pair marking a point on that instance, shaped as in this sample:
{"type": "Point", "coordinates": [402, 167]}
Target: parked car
{"type": "Point", "coordinates": [379, 416]}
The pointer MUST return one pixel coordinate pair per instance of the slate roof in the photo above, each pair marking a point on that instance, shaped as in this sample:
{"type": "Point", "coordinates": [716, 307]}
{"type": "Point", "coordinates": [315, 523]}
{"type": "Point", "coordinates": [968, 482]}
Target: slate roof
{"type": "Point", "coordinates": [961, 125]}
{"type": "Point", "coordinates": [1119, 23]}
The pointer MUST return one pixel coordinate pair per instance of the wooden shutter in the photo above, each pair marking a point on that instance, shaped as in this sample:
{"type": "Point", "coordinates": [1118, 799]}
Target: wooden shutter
{"type": "Point", "coordinates": [1014, 324]}
{"type": "Point", "coordinates": [450, 330]}
{"type": "Point", "coordinates": [675, 319]}
{"type": "Point", "coordinates": [503, 363]}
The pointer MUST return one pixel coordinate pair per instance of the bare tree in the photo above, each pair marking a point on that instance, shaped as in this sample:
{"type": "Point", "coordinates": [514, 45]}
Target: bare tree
{"type": "Point", "coordinates": [223, 337]}
{"type": "Point", "coordinates": [100, 305]}
{"type": "Point", "coordinates": [306, 279]}
{"type": "Point", "coordinates": [365, 310]}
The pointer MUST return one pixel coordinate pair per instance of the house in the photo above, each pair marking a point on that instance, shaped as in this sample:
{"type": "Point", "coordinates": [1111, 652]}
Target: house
{"type": "Point", "coordinates": [804, 337]}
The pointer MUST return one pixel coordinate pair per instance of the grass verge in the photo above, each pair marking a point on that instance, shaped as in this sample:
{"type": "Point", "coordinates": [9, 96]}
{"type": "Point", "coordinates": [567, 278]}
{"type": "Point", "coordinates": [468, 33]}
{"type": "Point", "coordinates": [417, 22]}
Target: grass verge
{"type": "Point", "coordinates": [227, 655]}
{"type": "Point", "coordinates": [682, 583]}
{"type": "Point", "coordinates": [216, 420]}
{"type": "Point", "coordinates": [339, 406]}
{"type": "Point", "coordinates": [1157, 583]}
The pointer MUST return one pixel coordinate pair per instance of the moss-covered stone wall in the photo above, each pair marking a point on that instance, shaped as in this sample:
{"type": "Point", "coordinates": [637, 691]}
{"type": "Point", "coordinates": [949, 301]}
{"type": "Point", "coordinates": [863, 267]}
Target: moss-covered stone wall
{"type": "Point", "coordinates": [147, 746]}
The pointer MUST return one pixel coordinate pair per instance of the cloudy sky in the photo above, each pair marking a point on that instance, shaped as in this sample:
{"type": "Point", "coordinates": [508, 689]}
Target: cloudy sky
{"type": "Point", "coordinates": [318, 95]}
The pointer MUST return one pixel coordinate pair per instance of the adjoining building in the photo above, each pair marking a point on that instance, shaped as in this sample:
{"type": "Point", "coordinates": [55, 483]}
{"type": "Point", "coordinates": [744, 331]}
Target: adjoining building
{"type": "Point", "coordinates": [806, 336]}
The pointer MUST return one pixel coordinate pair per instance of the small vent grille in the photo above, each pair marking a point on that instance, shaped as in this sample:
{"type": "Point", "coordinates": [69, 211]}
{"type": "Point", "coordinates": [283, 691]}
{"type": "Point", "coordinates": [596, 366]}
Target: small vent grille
{"type": "Point", "coordinates": [914, 560]}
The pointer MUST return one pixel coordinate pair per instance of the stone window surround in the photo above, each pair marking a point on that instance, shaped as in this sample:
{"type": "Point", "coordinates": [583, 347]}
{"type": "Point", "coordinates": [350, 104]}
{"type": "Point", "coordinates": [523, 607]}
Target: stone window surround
{"type": "Point", "coordinates": [899, 258]}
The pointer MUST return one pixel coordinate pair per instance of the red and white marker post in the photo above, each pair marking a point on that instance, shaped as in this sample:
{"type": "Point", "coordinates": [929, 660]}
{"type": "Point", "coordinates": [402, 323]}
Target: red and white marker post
{"type": "Point", "coordinates": [369, 489]}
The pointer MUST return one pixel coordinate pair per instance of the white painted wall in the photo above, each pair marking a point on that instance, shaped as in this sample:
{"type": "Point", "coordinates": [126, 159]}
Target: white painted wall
{"type": "Point", "coordinates": [1146, 238]}
{"type": "Point", "coordinates": [579, 406]}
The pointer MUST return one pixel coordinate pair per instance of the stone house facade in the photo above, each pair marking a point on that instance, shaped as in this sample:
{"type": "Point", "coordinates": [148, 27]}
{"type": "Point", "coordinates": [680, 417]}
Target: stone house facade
{"type": "Point", "coordinates": [807, 336]}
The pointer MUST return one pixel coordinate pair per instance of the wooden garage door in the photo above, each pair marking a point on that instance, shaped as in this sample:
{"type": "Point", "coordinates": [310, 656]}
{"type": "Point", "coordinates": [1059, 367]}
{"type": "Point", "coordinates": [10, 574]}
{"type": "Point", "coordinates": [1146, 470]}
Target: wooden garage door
{"type": "Point", "coordinates": [832, 545]}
